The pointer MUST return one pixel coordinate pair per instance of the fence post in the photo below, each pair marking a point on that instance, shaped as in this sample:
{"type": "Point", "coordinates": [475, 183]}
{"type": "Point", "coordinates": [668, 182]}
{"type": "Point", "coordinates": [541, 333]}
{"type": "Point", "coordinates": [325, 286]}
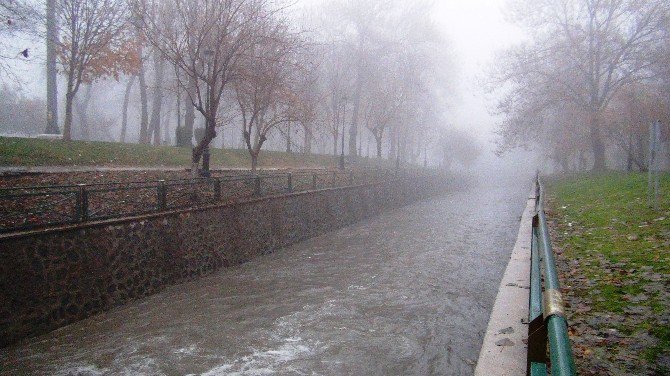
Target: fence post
{"type": "Point", "coordinates": [290, 183]}
{"type": "Point", "coordinates": [82, 203]}
{"type": "Point", "coordinates": [314, 183]}
{"type": "Point", "coordinates": [217, 189]}
{"type": "Point", "coordinates": [161, 191]}
{"type": "Point", "coordinates": [257, 185]}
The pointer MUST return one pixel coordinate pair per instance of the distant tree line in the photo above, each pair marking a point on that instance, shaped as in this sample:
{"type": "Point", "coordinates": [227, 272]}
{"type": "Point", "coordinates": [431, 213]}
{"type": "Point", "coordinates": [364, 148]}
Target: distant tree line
{"type": "Point", "coordinates": [373, 75]}
{"type": "Point", "coordinates": [591, 78]}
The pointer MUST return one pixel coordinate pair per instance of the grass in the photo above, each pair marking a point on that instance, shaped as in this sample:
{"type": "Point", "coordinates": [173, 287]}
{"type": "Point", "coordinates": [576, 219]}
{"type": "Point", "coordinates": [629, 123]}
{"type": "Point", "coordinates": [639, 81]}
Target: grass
{"type": "Point", "coordinates": [37, 152]}
{"type": "Point", "coordinates": [615, 267]}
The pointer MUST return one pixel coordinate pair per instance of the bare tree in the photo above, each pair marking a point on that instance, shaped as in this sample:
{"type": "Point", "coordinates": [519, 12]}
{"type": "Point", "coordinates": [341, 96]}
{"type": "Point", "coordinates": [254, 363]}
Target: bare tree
{"type": "Point", "coordinates": [205, 40]}
{"type": "Point", "coordinates": [582, 51]}
{"type": "Point", "coordinates": [267, 91]}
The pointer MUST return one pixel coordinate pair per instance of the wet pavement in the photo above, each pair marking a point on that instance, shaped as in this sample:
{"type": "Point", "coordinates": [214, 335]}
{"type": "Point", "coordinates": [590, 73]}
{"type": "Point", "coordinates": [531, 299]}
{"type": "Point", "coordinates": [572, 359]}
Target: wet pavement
{"type": "Point", "coordinates": [406, 293]}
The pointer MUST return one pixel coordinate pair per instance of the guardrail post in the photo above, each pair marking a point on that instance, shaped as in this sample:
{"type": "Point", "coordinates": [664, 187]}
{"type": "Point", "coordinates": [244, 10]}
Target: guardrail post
{"type": "Point", "coordinates": [289, 186]}
{"type": "Point", "coordinates": [161, 198]}
{"type": "Point", "coordinates": [217, 189]}
{"type": "Point", "coordinates": [314, 183]}
{"type": "Point", "coordinates": [257, 185]}
{"type": "Point", "coordinates": [82, 204]}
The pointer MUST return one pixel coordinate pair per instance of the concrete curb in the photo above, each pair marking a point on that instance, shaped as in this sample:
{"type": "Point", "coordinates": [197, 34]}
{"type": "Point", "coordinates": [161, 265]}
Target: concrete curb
{"type": "Point", "coordinates": [505, 344]}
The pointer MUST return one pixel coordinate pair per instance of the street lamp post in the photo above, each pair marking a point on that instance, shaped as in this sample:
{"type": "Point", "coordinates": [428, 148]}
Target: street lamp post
{"type": "Point", "coordinates": [344, 122]}
{"type": "Point", "coordinates": [208, 55]}
{"type": "Point", "coordinates": [397, 152]}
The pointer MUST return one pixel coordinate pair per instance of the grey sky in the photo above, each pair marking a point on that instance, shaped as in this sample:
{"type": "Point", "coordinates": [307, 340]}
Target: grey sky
{"type": "Point", "coordinates": [477, 30]}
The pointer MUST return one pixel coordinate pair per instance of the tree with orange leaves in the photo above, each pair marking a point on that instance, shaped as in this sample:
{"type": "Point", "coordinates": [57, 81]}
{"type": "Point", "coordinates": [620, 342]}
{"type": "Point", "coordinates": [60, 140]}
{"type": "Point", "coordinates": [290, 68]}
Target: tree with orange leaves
{"type": "Point", "coordinates": [94, 44]}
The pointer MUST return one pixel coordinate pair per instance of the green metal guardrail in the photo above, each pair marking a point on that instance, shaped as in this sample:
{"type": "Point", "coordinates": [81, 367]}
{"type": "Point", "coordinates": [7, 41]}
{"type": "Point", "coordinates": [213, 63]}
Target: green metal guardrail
{"type": "Point", "coordinates": [547, 322]}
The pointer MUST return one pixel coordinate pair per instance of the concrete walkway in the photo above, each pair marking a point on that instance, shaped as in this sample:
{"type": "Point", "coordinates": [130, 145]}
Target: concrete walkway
{"type": "Point", "coordinates": [504, 350]}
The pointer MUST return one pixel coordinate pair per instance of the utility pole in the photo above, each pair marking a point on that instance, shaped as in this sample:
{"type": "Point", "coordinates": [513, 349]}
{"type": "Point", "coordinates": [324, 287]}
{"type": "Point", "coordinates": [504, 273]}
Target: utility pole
{"type": "Point", "coordinates": [52, 73]}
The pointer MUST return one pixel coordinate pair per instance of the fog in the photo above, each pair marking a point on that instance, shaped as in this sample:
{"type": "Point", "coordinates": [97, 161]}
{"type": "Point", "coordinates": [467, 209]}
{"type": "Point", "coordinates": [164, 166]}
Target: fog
{"type": "Point", "coordinates": [358, 167]}
{"type": "Point", "coordinates": [453, 63]}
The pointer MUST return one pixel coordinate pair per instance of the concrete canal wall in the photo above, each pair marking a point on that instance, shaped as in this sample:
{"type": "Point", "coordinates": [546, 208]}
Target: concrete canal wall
{"type": "Point", "coordinates": [54, 277]}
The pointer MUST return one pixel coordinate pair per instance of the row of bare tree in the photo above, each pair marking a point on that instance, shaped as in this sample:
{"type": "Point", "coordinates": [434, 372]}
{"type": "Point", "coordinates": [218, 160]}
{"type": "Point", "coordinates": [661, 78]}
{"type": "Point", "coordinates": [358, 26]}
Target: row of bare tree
{"type": "Point", "coordinates": [339, 68]}
{"type": "Point", "coordinates": [585, 87]}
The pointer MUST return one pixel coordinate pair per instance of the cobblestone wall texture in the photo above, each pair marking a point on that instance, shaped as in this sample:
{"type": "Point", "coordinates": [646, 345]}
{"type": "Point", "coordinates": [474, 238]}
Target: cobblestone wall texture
{"type": "Point", "coordinates": [51, 278]}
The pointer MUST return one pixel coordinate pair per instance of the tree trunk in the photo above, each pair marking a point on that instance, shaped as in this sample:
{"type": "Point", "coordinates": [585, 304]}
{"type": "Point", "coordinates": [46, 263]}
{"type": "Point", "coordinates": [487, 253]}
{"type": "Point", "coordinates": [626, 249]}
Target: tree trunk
{"type": "Point", "coordinates": [288, 138]}
{"type": "Point", "coordinates": [166, 133]}
{"type": "Point", "coordinates": [360, 141]}
{"type": "Point", "coordinates": [204, 144]}
{"type": "Point", "coordinates": [642, 154]}
{"type": "Point", "coordinates": [157, 102]}
{"type": "Point", "coordinates": [144, 120]}
{"type": "Point", "coordinates": [379, 141]}
{"type": "Point", "coordinates": [178, 131]}
{"type": "Point", "coordinates": [254, 162]}
{"type": "Point", "coordinates": [582, 161]}
{"type": "Point", "coordinates": [597, 144]}
{"type": "Point", "coordinates": [629, 159]}
{"type": "Point", "coordinates": [52, 72]}
{"type": "Point", "coordinates": [353, 129]}
{"type": "Point", "coordinates": [308, 141]}
{"type": "Point", "coordinates": [67, 126]}
{"type": "Point", "coordinates": [126, 100]}
{"type": "Point", "coordinates": [335, 138]}
{"type": "Point", "coordinates": [82, 112]}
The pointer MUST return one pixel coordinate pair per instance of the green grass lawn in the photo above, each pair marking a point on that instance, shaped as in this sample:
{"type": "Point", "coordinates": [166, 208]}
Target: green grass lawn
{"type": "Point", "coordinates": [614, 258]}
{"type": "Point", "coordinates": [35, 152]}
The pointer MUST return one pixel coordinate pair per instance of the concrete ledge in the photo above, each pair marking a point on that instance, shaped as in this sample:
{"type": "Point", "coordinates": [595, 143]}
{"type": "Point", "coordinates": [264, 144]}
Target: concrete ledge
{"type": "Point", "coordinates": [504, 349]}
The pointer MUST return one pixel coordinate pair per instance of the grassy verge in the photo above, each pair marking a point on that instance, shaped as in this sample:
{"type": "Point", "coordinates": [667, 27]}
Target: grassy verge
{"type": "Point", "coordinates": [34, 152]}
{"type": "Point", "coordinates": [614, 260]}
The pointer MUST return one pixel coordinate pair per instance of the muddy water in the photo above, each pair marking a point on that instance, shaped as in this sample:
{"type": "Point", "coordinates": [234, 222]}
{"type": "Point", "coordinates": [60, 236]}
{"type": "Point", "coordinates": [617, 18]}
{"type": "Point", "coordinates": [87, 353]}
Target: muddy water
{"type": "Point", "coordinates": [406, 293]}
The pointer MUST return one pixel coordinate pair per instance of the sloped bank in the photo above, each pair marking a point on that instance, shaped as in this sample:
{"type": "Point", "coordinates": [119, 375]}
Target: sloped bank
{"type": "Point", "coordinates": [54, 277]}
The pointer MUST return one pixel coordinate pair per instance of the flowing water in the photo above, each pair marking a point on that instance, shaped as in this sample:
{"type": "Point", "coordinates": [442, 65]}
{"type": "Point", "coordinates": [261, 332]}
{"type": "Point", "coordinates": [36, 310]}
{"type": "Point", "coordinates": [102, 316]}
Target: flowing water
{"type": "Point", "coordinates": [406, 293]}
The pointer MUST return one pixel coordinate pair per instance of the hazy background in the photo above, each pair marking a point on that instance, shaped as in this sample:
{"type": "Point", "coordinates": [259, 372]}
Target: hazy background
{"type": "Point", "coordinates": [475, 28]}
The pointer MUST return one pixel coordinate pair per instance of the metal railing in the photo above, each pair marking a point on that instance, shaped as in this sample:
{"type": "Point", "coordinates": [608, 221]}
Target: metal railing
{"type": "Point", "coordinates": [547, 322]}
{"type": "Point", "coordinates": [24, 208]}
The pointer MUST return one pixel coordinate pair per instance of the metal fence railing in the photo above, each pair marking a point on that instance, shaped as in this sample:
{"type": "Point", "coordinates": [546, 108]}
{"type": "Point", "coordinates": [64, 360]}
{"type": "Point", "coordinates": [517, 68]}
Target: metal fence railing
{"type": "Point", "coordinates": [23, 208]}
{"type": "Point", "coordinates": [547, 321]}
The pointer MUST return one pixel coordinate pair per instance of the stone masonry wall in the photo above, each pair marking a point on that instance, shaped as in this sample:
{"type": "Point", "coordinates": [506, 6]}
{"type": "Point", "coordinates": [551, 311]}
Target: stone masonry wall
{"type": "Point", "coordinates": [51, 278]}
